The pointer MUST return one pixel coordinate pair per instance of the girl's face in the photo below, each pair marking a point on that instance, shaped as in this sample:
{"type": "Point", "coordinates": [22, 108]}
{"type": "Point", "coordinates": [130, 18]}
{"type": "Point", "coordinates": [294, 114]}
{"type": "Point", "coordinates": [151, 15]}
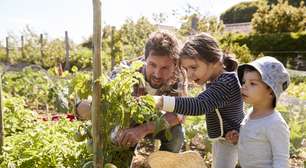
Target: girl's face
{"type": "Point", "coordinates": [198, 71]}
{"type": "Point", "coordinates": [254, 91]}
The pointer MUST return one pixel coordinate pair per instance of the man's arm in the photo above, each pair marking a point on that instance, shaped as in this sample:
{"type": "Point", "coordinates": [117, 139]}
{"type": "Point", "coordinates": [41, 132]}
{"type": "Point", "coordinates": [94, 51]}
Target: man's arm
{"type": "Point", "coordinates": [131, 136]}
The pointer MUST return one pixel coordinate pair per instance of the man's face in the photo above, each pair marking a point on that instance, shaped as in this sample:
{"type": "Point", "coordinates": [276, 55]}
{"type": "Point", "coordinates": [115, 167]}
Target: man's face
{"type": "Point", "coordinates": [159, 70]}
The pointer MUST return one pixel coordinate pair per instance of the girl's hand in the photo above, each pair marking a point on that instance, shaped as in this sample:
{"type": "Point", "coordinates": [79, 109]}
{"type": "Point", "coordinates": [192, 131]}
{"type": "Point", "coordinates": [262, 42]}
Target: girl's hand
{"type": "Point", "coordinates": [232, 137]}
{"type": "Point", "coordinates": [158, 102]}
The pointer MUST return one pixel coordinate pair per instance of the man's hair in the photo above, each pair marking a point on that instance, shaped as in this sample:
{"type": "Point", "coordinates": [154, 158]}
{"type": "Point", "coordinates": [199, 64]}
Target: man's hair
{"type": "Point", "coordinates": [162, 44]}
{"type": "Point", "coordinates": [252, 69]}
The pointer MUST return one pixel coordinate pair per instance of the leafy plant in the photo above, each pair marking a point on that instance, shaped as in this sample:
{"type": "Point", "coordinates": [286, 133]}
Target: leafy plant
{"type": "Point", "coordinates": [48, 144]}
{"type": "Point", "coordinates": [120, 110]}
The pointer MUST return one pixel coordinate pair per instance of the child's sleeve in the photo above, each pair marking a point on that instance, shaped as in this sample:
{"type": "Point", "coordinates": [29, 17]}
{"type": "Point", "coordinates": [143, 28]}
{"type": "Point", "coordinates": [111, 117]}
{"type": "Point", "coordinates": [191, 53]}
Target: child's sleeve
{"type": "Point", "coordinates": [279, 137]}
{"type": "Point", "coordinates": [216, 96]}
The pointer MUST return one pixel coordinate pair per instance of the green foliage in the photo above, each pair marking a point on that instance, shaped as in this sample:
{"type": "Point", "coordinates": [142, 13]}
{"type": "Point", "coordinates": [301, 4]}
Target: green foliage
{"type": "Point", "coordinates": [81, 85]}
{"type": "Point", "coordinates": [242, 12]}
{"type": "Point", "coordinates": [81, 57]}
{"type": "Point", "coordinates": [295, 118]}
{"type": "Point", "coordinates": [242, 52]}
{"type": "Point", "coordinates": [297, 90]}
{"type": "Point", "coordinates": [2, 54]}
{"type": "Point", "coordinates": [291, 2]}
{"type": "Point", "coordinates": [16, 118]}
{"type": "Point", "coordinates": [119, 109]}
{"type": "Point", "coordinates": [49, 144]}
{"type": "Point", "coordinates": [277, 42]}
{"type": "Point", "coordinates": [39, 88]}
{"type": "Point", "coordinates": [32, 84]}
{"type": "Point", "coordinates": [54, 53]}
{"type": "Point", "coordinates": [280, 18]}
{"type": "Point", "coordinates": [134, 35]}
{"type": "Point", "coordinates": [205, 24]}
{"type": "Point", "coordinates": [111, 47]}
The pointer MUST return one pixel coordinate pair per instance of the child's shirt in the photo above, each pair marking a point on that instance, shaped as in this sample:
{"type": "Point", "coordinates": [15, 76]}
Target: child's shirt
{"type": "Point", "coordinates": [221, 102]}
{"type": "Point", "coordinates": [264, 142]}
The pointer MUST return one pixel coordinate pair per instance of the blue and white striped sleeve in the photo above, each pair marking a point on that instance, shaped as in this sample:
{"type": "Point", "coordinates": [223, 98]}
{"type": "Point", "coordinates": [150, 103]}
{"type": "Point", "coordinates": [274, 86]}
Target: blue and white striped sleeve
{"type": "Point", "coordinates": [216, 96]}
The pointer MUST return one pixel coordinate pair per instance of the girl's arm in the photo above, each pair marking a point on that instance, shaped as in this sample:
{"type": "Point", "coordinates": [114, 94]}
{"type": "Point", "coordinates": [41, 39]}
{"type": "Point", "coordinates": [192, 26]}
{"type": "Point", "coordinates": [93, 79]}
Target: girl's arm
{"type": "Point", "coordinates": [216, 96]}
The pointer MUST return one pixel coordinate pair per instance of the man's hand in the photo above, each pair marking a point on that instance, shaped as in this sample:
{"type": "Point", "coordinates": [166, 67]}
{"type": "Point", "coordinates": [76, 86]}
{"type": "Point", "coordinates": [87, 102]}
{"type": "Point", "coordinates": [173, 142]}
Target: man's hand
{"type": "Point", "coordinates": [172, 118]}
{"type": "Point", "coordinates": [131, 136]}
{"type": "Point", "coordinates": [232, 137]}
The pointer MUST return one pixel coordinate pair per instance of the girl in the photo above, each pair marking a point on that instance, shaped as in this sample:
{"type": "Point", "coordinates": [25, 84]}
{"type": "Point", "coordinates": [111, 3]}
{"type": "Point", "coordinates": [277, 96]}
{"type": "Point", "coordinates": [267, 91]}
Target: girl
{"type": "Point", "coordinates": [221, 101]}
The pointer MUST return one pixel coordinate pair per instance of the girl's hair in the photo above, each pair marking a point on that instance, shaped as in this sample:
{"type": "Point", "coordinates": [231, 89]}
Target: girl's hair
{"type": "Point", "coordinates": [206, 48]}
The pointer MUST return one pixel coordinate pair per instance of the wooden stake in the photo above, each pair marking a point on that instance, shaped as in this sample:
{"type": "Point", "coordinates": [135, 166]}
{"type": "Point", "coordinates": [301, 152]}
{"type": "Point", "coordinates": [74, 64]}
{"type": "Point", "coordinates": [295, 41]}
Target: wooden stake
{"type": "Point", "coordinates": [1, 116]}
{"type": "Point", "coordinates": [113, 48]}
{"type": "Point", "coordinates": [67, 65]}
{"type": "Point", "coordinates": [7, 48]}
{"type": "Point", "coordinates": [22, 46]}
{"type": "Point", "coordinates": [96, 116]}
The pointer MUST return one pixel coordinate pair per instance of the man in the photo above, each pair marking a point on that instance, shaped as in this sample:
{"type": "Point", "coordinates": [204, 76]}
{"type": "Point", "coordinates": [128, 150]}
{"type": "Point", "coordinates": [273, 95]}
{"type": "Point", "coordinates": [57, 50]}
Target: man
{"type": "Point", "coordinates": [162, 78]}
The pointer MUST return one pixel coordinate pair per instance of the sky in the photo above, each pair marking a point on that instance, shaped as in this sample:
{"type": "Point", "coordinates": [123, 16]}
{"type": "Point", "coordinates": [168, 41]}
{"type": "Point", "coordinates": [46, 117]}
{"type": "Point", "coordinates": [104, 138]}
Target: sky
{"type": "Point", "coordinates": [54, 17]}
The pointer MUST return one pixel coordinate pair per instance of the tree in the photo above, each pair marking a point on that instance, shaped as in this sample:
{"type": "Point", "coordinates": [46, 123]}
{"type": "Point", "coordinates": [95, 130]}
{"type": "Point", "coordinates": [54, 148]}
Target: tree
{"type": "Point", "coordinates": [295, 3]}
{"type": "Point", "coordinates": [242, 12]}
{"type": "Point", "coordinates": [204, 24]}
{"type": "Point", "coordinates": [159, 18]}
{"type": "Point", "coordinates": [134, 36]}
{"type": "Point", "coordinates": [280, 18]}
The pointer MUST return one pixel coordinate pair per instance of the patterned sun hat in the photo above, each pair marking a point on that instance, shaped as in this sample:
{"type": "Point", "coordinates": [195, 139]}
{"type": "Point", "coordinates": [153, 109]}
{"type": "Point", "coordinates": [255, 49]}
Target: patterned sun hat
{"type": "Point", "coordinates": [272, 71]}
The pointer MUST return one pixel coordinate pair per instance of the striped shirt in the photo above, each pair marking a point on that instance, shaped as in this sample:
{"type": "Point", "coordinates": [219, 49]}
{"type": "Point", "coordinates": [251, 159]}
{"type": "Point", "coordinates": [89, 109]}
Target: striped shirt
{"type": "Point", "coordinates": [221, 102]}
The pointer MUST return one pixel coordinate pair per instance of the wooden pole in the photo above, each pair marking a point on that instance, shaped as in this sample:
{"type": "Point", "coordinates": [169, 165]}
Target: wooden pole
{"type": "Point", "coordinates": [1, 116]}
{"type": "Point", "coordinates": [113, 48]}
{"type": "Point", "coordinates": [7, 48]}
{"type": "Point", "coordinates": [22, 45]}
{"type": "Point", "coordinates": [41, 40]}
{"type": "Point", "coordinates": [67, 65]}
{"type": "Point", "coordinates": [96, 116]}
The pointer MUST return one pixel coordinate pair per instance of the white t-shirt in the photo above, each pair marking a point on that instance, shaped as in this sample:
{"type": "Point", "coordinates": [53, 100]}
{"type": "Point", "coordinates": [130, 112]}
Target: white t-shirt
{"type": "Point", "coordinates": [264, 142]}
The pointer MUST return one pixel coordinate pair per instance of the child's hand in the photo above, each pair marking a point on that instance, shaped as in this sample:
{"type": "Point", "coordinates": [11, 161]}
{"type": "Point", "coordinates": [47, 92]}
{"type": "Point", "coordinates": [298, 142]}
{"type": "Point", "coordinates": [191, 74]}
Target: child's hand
{"type": "Point", "coordinates": [232, 137]}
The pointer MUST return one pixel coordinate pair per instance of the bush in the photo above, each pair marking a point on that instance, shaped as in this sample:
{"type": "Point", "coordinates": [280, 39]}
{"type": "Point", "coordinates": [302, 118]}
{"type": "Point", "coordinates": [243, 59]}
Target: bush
{"type": "Point", "coordinates": [273, 44]}
{"type": "Point", "coordinates": [242, 12]}
{"type": "Point", "coordinates": [49, 144]}
{"type": "Point", "coordinates": [16, 118]}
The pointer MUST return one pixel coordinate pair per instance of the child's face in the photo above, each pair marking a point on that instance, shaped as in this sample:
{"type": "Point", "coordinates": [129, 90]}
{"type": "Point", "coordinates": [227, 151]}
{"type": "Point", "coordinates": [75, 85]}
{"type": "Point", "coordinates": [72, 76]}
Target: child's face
{"type": "Point", "coordinates": [254, 91]}
{"type": "Point", "coordinates": [198, 71]}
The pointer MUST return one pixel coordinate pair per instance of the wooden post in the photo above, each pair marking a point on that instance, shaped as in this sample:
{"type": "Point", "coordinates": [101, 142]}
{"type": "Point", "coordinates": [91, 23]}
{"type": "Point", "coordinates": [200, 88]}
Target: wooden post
{"type": "Point", "coordinates": [7, 48]}
{"type": "Point", "coordinates": [112, 48]}
{"type": "Point", "coordinates": [67, 65]}
{"type": "Point", "coordinates": [96, 116]}
{"type": "Point", "coordinates": [22, 45]}
{"type": "Point", "coordinates": [41, 41]}
{"type": "Point", "coordinates": [1, 116]}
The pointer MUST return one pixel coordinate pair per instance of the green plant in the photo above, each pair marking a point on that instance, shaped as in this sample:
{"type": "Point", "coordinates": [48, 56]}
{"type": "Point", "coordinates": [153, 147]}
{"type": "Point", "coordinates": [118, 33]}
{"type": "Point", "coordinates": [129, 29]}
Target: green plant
{"type": "Point", "coordinates": [48, 144]}
{"type": "Point", "coordinates": [119, 109]}
{"type": "Point", "coordinates": [16, 118]}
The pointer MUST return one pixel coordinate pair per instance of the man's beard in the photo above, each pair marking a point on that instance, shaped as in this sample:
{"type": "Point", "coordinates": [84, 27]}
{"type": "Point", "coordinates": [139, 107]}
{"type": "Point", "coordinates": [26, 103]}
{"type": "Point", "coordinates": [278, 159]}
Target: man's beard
{"type": "Point", "coordinates": [155, 85]}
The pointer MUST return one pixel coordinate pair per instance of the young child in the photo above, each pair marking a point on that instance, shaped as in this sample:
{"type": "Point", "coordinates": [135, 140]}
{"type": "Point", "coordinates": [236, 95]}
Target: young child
{"type": "Point", "coordinates": [221, 101]}
{"type": "Point", "coordinates": [264, 134]}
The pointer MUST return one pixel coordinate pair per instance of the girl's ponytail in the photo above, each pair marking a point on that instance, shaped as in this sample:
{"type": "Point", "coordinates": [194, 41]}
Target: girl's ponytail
{"type": "Point", "coordinates": [229, 62]}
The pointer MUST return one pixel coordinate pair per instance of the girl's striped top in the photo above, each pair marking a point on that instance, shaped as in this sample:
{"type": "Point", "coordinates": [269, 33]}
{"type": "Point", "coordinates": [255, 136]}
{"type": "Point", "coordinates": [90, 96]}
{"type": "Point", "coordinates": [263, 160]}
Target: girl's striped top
{"type": "Point", "coordinates": [221, 102]}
